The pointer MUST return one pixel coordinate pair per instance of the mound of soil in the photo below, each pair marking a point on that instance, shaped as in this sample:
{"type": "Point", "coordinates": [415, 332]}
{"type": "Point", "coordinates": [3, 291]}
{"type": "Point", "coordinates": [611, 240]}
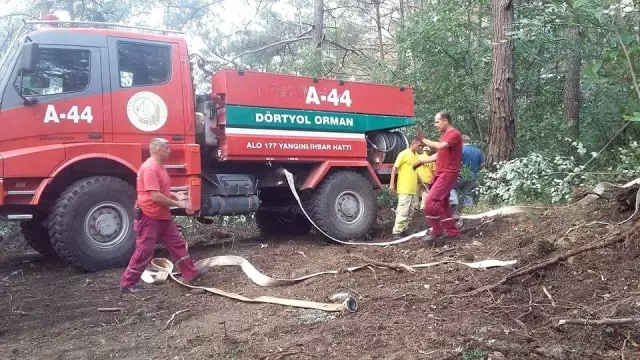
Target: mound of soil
{"type": "Point", "coordinates": [49, 310]}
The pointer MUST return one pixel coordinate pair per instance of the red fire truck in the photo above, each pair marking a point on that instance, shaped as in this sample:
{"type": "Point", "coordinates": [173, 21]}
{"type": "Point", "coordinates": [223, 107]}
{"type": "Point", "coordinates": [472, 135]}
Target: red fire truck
{"type": "Point", "coordinates": [80, 103]}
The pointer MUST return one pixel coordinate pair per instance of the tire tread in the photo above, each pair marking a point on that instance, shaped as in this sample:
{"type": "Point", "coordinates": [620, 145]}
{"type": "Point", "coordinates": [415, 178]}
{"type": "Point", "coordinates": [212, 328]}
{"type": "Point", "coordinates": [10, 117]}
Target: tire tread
{"type": "Point", "coordinates": [62, 212]}
{"type": "Point", "coordinates": [316, 204]}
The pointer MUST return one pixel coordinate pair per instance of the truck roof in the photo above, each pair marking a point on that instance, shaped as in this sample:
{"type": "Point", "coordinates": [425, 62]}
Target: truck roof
{"type": "Point", "coordinates": [113, 32]}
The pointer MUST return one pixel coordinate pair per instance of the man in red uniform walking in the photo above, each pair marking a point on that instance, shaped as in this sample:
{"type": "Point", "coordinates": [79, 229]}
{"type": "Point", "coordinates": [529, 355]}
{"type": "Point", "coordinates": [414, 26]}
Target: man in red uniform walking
{"type": "Point", "coordinates": [448, 160]}
{"type": "Point", "coordinates": [154, 222]}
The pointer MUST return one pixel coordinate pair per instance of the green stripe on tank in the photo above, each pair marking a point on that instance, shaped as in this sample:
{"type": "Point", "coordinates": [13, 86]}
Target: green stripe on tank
{"type": "Point", "coordinates": [302, 120]}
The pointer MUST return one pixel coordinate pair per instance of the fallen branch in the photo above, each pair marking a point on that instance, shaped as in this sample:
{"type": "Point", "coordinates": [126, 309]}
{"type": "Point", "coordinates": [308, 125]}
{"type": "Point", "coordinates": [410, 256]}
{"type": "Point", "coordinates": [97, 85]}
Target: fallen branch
{"type": "Point", "coordinates": [614, 239]}
{"type": "Point", "coordinates": [478, 227]}
{"type": "Point", "coordinates": [447, 249]}
{"type": "Point", "coordinates": [265, 47]}
{"type": "Point", "coordinates": [584, 225]}
{"type": "Point", "coordinates": [172, 318]}
{"type": "Point", "coordinates": [546, 292]}
{"type": "Point", "coordinates": [394, 266]}
{"type": "Point", "coordinates": [284, 355]}
{"type": "Point", "coordinates": [623, 321]}
{"type": "Point", "coordinates": [373, 271]}
{"type": "Point", "coordinates": [620, 131]}
{"type": "Point", "coordinates": [624, 345]}
{"type": "Point", "coordinates": [524, 326]}
{"type": "Point", "coordinates": [109, 309]}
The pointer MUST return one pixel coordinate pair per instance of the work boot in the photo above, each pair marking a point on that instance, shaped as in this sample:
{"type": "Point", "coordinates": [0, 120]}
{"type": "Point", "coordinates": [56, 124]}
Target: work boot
{"type": "Point", "coordinates": [196, 281]}
{"type": "Point", "coordinates": [132, 290]}
{"type": "Point", "coordinates": [401, 235]}
{"type": "Point", "coordinates": [431, 237]}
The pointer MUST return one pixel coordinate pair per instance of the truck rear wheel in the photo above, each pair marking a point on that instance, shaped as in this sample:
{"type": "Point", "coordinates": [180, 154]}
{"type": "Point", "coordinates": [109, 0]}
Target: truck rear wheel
{"type": "Point", "coordinates": [273, 223]}
{"type": "Point", "coordinates": [343, 206]}
{"type": "Point", "coordinates": [37, 236]}
{"type": "Point", "coordinates": [91, 224]}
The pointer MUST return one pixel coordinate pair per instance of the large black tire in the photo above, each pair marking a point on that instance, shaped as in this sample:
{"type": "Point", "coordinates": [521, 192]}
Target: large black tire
{"type": "Point", "coordinates": [91, 223]}
{"type": "Point", "coordinates": [36, 234]}
{"type": "Point", "coordinates": [272, 223]}
{"type": "Point", "coordinates": [343, 206]}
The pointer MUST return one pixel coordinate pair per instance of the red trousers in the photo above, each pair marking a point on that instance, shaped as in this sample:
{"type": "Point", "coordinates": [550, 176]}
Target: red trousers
{"type": "Point", "coordinates": [149, 231]}
{"type": "Point", "coordinates": [437, 210]}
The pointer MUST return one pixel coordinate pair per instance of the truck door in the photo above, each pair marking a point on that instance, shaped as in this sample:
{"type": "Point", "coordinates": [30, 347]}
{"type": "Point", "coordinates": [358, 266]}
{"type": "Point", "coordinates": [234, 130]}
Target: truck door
{"type": "Point", "coordinates": [146, 91]}
{"type": "Point", "coordinates": [67, 89]}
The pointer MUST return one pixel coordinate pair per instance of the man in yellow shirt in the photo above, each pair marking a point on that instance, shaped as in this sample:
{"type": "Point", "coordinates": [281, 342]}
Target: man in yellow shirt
{"type": "Point", "coordinates": [406, 186]}
{"type": "Point", "coordinates": [425, 176]}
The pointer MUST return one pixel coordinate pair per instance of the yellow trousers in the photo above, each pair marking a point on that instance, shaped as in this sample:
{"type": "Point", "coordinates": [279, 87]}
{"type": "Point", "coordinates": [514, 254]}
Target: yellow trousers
{"type": "Point", "coordinates": [404, 212]}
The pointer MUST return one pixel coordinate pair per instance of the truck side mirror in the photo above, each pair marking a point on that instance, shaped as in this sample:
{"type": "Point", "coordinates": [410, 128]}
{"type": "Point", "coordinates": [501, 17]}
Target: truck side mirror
{"type": "Point", "coordinates": [29, 57]}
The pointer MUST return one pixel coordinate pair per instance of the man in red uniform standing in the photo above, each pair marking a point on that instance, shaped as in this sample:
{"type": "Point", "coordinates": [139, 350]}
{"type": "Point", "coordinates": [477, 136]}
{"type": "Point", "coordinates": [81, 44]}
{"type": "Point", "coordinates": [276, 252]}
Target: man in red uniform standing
{"type": "Point", "coordinates": [154, 220]}
{"type": "Point", "coordinates": [448, 163]}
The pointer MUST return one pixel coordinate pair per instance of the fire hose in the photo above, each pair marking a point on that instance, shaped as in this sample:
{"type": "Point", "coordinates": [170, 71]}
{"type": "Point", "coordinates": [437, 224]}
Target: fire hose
{"type": "Point", "coordinates": [164, 269]}
{"type": "Point", "coordinates": [499, 212]}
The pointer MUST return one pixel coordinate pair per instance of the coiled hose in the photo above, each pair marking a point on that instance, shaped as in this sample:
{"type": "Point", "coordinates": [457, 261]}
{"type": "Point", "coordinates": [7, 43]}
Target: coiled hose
{"type": "Point", "coordinates": [389, 143]}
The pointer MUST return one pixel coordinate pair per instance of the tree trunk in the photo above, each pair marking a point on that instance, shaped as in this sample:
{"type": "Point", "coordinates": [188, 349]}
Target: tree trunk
{"type": "Point", "coordinates": [376, 4]}
{"type": "Point", "coordinates": [45, 8]}
{"type": "Point", "coordinates": [318, 35]}
{"type": "Point", "coordinates": [572, 85]}
{"type": "Point", "coordinates": [571, 112]}
{"type": "Point", "coordinates": [402, 56]}
{"type": "Point", "coordinates": [318, 22]}
{"type": "Point", "coordinates": [70, 9]}
{"type": "Point", "coordinates": [471, 48]}
{"type": "Point", "coordinates": [502, 128]}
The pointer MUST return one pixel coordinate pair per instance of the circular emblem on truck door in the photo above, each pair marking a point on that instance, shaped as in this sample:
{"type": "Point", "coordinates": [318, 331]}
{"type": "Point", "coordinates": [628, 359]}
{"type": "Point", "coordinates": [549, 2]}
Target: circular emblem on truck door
{"type": "Point", "coordinates": [147, 111]}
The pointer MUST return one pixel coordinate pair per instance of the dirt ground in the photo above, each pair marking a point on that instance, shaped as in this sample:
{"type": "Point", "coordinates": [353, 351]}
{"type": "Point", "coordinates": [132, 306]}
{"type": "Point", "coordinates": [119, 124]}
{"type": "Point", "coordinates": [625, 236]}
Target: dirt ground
{"type": "Point", "coordinates": [49, 310]}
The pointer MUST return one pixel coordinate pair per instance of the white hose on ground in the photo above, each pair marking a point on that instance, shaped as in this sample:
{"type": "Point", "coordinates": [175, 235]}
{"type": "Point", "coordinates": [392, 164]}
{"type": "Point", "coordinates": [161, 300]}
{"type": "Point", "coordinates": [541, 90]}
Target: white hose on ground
{"type": "Point", "coordinates": [499, 212]}
{"type": "Point", "coordinates": [164, 268]}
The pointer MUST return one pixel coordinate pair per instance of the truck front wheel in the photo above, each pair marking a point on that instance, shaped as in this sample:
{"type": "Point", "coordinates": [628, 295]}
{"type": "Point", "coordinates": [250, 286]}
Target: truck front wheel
{"type": "Point", "coordinates": [343, 206]}
{"type": "Point", "coordinates": [91, 224]}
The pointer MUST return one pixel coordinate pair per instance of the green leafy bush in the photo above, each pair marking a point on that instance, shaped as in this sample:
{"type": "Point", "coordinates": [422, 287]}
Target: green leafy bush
{"type": "Point", "coordinates": [542, 179]}
{"type": "Point", "coordinates": [534, 178]}
{"type": "Point", "coordinates": [386, 200]}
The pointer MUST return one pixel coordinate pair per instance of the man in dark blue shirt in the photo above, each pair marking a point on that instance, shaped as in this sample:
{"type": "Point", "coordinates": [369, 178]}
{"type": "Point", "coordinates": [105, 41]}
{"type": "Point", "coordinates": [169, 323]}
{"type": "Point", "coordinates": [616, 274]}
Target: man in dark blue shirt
{"type": "Point", "coordinates": [472, 161]}
{"type": "Point", "coordinates": [471, 157]}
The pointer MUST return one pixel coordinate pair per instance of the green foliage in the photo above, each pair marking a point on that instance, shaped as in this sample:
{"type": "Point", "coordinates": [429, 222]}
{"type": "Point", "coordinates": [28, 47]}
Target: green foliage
{"type": "Point", "coordinates": [474, 354]}
{"type": "Point", "coordinates": [451, 65]}
{"type": "Point", "coordinates": [540, 179]}
{"type": "Point", "coordinates": [386, 200]}
{"type": "Point", "coordinates": [625, 166]}
{"type": "Point", "coordinates": [534, 178]}
{"type": "Point", "coordinates": [465, 173]}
